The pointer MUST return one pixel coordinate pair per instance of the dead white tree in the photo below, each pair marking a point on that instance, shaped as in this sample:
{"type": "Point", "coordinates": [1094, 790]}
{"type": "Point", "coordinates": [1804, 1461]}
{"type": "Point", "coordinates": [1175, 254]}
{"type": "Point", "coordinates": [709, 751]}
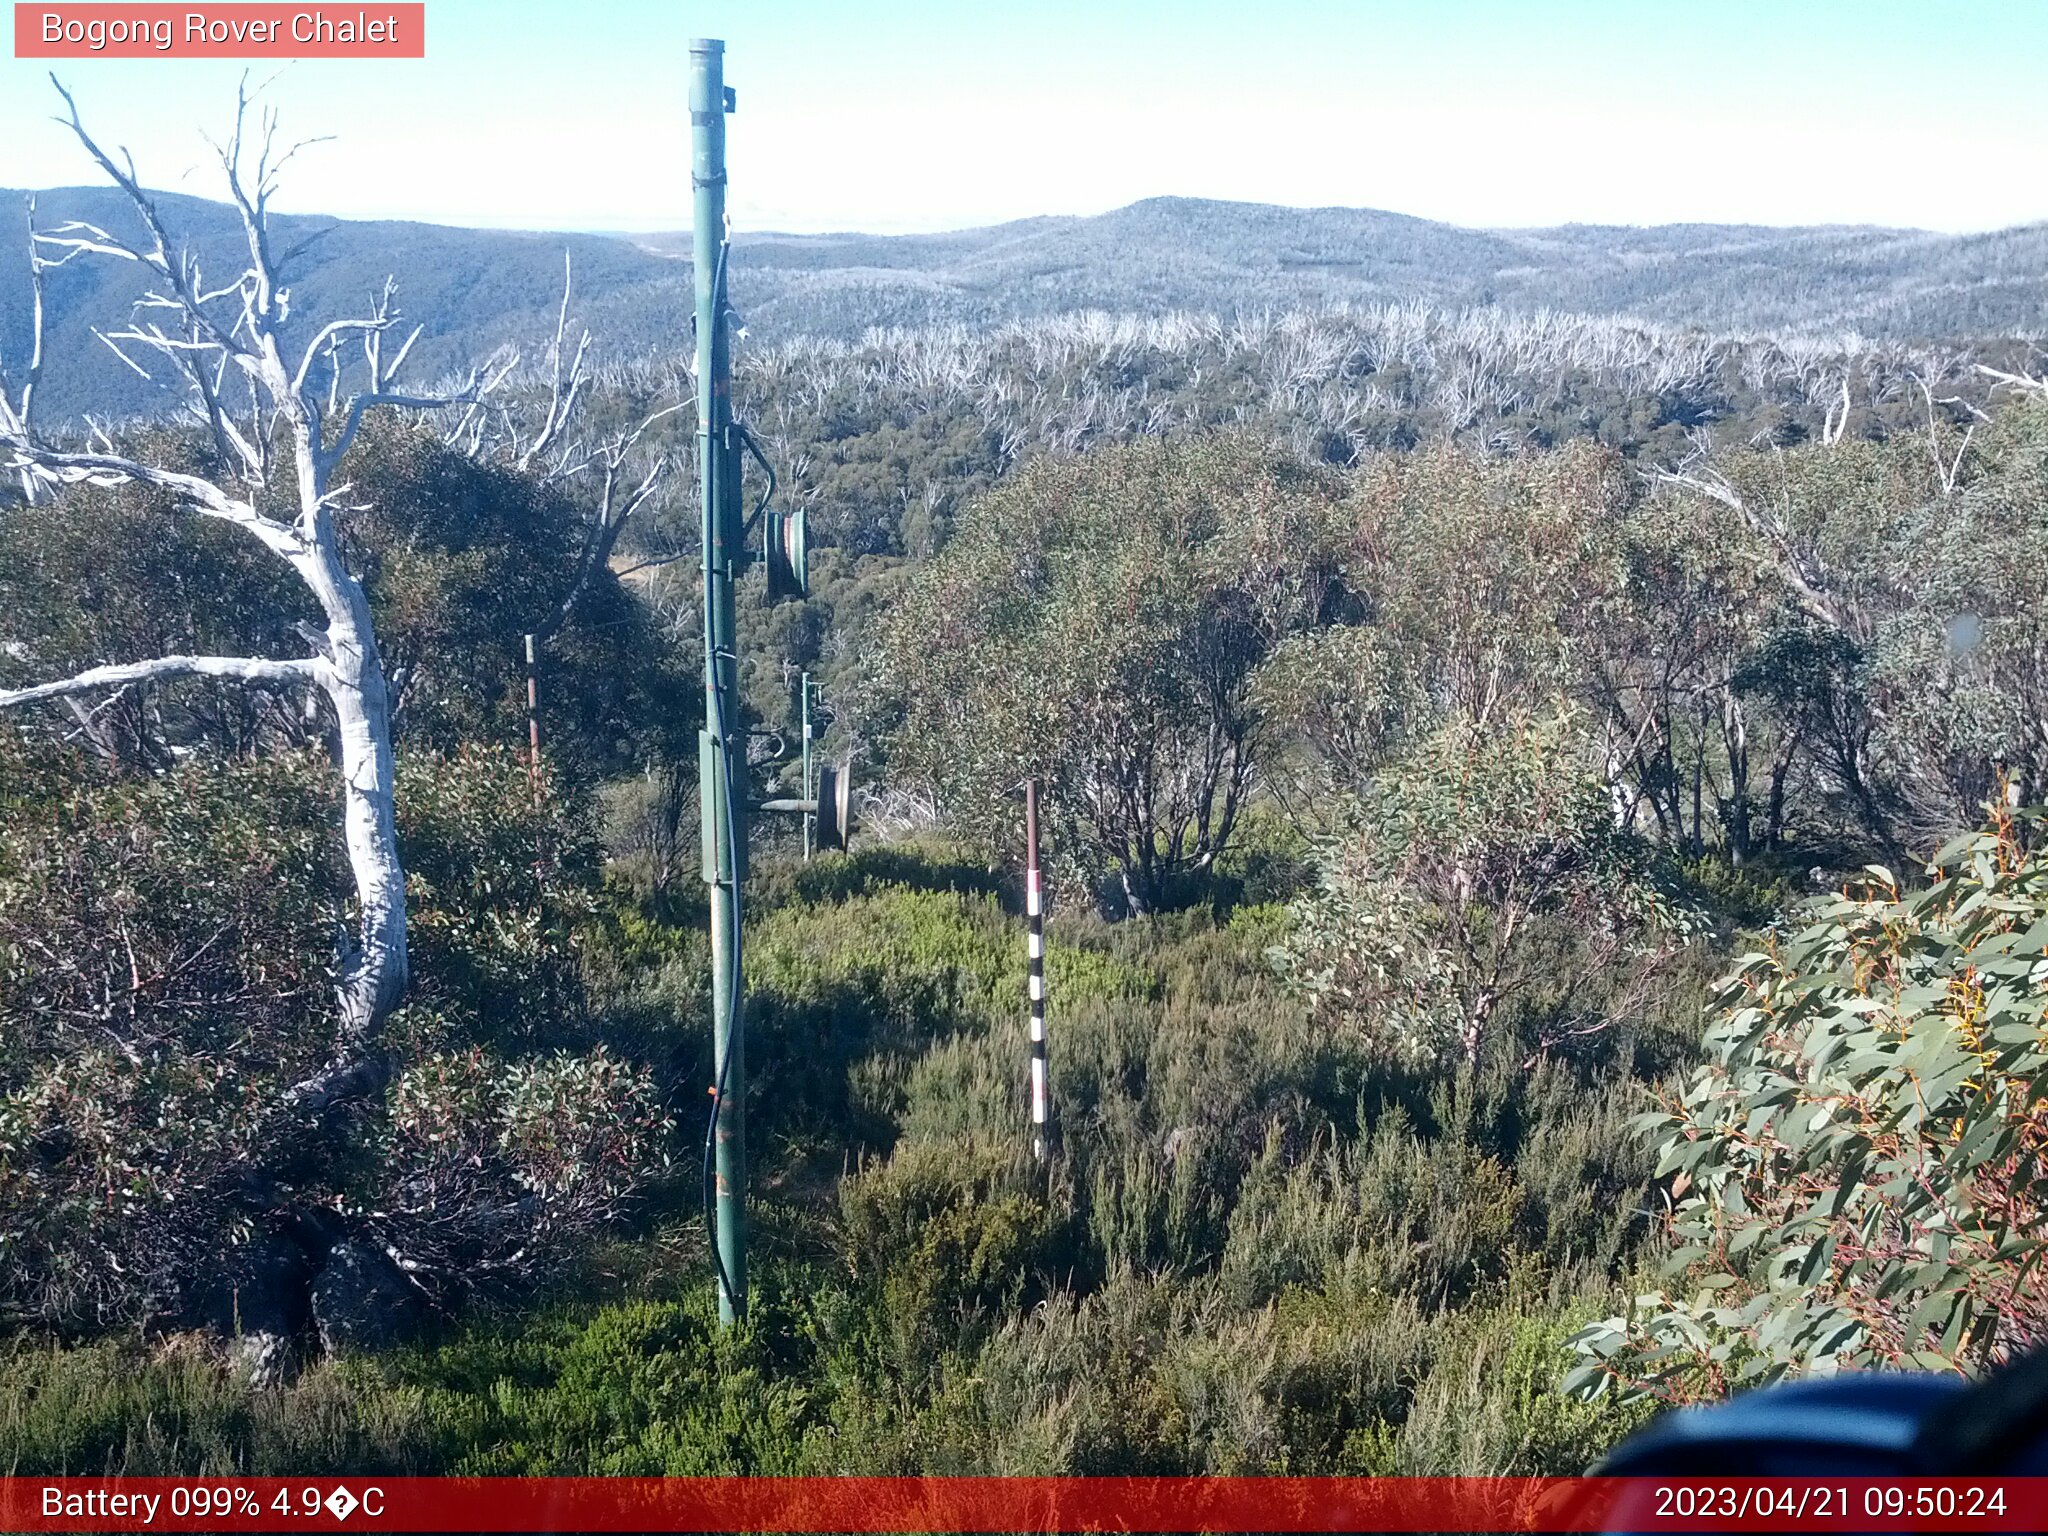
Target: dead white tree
{"type": "Point", "coordinates": [1833, 425]}
{"type": "Point", "coordinates": [1950, 469]}
{"type": "Point", "coordinates": [535, 426]}
{"type": "Point", "coordinates": [17, 410]}
{"type": "Point", "coordinates": [2024, 383]}
{"type": "Point", "coordinates": [281, 429]}
{"type": "Point", "coordinates": [1805, 576]}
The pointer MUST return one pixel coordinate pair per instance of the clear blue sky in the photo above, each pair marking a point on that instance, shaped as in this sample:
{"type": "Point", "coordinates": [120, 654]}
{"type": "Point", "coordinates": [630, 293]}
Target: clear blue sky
{"type": "Point", "coordinates": [903, 115]}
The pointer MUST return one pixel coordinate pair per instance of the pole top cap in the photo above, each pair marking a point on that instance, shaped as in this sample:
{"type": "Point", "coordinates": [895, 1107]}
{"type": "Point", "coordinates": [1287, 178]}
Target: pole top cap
{"type": "Point", "coordinates": [707, 45]}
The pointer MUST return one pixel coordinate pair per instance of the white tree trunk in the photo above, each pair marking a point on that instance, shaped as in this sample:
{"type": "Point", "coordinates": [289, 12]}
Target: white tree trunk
{"type": "Point", "coordinates": [374, 979]}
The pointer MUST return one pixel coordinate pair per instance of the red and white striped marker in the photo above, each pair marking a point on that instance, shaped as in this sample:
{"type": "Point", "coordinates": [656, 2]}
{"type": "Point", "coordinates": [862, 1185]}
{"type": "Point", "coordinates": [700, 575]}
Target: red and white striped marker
{"type": "Point", "coordinates": [1034, 911]}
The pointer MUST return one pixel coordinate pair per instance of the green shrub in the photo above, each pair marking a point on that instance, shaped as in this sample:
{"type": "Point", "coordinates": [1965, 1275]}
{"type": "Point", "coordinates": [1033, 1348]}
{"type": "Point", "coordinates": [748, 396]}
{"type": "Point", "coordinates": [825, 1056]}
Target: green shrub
{"type": "Point", "coordinates": [946, 1233]}
{"type": "Point", "coordinates": [1261, 1249]}
{"type": "Point", "coordinates": [166, 951]}
{"type": "Point", "coordinates": [1854, 1175]}
{"type": "Point", "coordinates": [643, 1388]}
{"type": "Point", "coordinates": [1482, 886]}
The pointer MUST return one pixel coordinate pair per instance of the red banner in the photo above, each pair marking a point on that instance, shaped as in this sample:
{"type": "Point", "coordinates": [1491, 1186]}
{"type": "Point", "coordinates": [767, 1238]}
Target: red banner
{"type": "Point", "coordinates": [992, 1504]}
{"type": "Point", "coordinates": [375, 31]}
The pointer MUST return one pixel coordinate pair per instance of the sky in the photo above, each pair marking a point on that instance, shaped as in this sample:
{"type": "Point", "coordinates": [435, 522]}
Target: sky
{"type": "Point", "coordinates": [904, 115]}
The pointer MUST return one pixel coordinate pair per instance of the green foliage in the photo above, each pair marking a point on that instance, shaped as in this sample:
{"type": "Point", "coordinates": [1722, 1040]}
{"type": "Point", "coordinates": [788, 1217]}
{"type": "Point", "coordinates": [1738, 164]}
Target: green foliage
{"type": "Point", "coordinates": [497, 887]}
{"type": "Point", "coordinates": [1579, 732]}
{"type": "Point", "coordinates": [1495, 1407]}
{"type": "Point", "coordinates": [1313, 1221]}
{"type": "Point", "coordinates": [101, 575]}
{"type": "Point", "coordinates": [119, 1405]}
{"type": "Point", "coordinates": [642, 1388]}
{"type": "Point", "coordinates": [1352, 693]}
{"type": "Point", "coordinates": [1905, 684]}
{"type": "Point", "coordinates": [943, 1232]}
{"type": "Point", "coordinates": [1097, 624]}
{"type": "Point", "coordinates": [491, 1165]}
{"type": "Point", "coordinates": [160, 972]}
{"type": "Point", "coordinates": [1855, 1174]}
{"type": "Point", "coordinates": [165, 974]}
{"type": "Point", "coordinates": [458, 559]}
{"type": "Point", "coordinates": [1260, 1250]}
{"type": "Point", "coordinates": [1734, 706]}
{"type": "Point", "coordinates": [646, 1388]}
{"type": "Point", "coordinates": [1483, 875]}
{"type": "Point", "coordinates": [861, 1009]}
{"type": "Point", "coordinates": [1475, 568]}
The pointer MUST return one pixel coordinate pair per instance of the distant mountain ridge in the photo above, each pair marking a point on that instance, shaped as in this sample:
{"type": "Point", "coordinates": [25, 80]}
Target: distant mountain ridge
{"type": "Point", "coordinates": [476, 288]}
{"type": "Point", "coordinates": [1190, 253]}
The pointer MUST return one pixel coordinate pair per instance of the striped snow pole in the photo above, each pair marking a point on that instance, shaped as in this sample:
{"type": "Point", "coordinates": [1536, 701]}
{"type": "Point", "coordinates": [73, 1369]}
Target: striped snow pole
{"type": "Point", "coordinates": [533, 719]}
{"type": "Point", "coordinates": [1034, 911]}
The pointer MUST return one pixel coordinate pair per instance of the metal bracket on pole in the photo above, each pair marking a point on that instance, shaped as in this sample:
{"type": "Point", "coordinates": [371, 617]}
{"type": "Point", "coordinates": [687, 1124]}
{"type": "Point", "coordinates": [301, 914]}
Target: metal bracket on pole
{"type": "Point", "coordinates": [830, 810]}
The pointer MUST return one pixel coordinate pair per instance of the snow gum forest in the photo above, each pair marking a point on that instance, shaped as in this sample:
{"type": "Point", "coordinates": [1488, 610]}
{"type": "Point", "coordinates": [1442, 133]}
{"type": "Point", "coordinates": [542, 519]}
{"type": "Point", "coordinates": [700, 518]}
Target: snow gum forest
{"type": "Point", "coordinates": [1540, 748]}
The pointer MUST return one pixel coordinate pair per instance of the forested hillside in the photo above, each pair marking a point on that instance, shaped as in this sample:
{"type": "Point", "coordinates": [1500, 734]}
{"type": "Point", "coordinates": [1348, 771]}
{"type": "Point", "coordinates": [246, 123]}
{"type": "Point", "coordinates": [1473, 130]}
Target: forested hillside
{"type": "Point", "coordinates": [1549, 905]}
{"type": "Point", "coordinates": [1524, 752]}
{"type": "Point", "coordinates": [1193, 254]}
{"type": "Point", "coordinates": [472, 290]}
{"type": "Point", "coordinates": [476, 289]}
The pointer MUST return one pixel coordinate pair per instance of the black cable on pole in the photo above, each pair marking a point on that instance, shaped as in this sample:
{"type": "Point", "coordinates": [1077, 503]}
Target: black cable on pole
{"type": "Point", "coordinates": [732, 1014]}
{"type": "Point", "coordinates": [732, 991]}
{"type": "Point", "coordinates": [748, 442]}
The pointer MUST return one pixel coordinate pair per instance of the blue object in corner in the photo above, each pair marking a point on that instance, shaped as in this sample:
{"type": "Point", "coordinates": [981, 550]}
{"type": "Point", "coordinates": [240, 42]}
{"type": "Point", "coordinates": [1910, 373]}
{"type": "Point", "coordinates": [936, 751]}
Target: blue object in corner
{"type": "Point", "coordinates": [1861, 1424]}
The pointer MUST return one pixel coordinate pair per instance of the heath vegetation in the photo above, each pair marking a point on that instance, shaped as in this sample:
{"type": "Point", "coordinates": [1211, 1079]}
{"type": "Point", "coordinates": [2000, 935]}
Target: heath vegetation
{"type": "Point", "coordinates": [1547, 886]}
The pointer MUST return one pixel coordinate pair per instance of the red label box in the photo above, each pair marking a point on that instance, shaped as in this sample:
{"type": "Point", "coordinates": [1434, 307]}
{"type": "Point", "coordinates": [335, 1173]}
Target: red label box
{"type": "Point", "coordinates": [240, 31]}
{"type": "Point", "coordinates": [1278, 1506]}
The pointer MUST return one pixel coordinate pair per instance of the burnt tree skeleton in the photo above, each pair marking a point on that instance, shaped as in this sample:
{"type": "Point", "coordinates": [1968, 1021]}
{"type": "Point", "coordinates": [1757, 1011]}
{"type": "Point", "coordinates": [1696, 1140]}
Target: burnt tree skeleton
{"type": "Point", "coordinates": [281, 430]}
{"type": "Point", "coordinates": [500, 427]}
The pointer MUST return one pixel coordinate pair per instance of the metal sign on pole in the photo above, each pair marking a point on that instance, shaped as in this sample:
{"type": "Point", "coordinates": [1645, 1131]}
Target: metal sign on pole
{"type": "Point", "coordinates": [1034, 912]}
{"type": "Point", "coordinates": [830, 810]}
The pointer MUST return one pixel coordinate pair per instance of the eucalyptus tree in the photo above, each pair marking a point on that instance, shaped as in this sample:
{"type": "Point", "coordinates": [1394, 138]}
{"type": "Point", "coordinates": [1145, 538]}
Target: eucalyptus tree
{"type": "Point", "coordinates": [1853, 1179]}
{"type": "Point", "coordinates": [1904, 644]}
{"type": "Point", "coordinates": [1099, 623]}
{"type": "Point", "coordinates": [1480, 892]}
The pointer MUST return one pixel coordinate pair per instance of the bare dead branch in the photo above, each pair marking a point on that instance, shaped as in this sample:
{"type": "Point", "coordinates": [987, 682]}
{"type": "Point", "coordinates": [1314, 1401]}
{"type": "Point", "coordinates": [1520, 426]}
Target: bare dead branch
{"type": "Point", "coordinates": [1948, 470]}
{"type": "Point", "coordinates": [2026, 382]}
{"type": "Point", "coordinates": [1809, 589]}
{"type": "Point", "coordinates": [326, 339]}
{"type": "Point", "coordinates": [199, 495]}
{"type": "Point", "coordinates": [602, 535]}
{"type": "Point", "coordinates": [181, 273]}
{"type": "Point", "coordinates": [352, 422]}
{"type": "Point", "coordinates": [24, 416]}
{"type": "Point", "coordinates": [566, 384]}
{"type": "Point", "coordinates": [248, 669]}
{"type": "Point", "coordinates": [1833, 426]}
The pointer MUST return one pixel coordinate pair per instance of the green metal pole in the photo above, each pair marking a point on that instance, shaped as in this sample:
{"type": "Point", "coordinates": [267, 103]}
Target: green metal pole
{"type": "Point", "coordinates": [810, 789]}
{"type": "Point", "coordinates": [721, 786]}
